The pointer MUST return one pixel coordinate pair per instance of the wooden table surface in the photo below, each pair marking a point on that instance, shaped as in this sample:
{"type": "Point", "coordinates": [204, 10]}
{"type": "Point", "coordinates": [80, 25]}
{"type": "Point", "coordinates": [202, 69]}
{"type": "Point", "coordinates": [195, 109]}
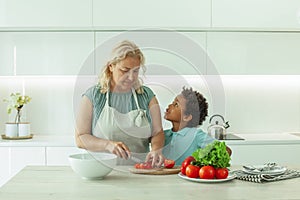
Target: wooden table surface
{"type": "Point", "coordinates": [41, 182]}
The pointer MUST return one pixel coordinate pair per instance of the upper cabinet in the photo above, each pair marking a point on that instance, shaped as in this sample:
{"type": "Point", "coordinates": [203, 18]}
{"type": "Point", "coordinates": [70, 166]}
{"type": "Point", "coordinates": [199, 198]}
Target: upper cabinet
{"type": "Point", "coordinates": [44, 13]}
{"type": "Point", "coordinates": [135, 14]}
{"type": "Point", "coordinates": [256, 13]}
{"type": "Point", "coordinates": [46, 53]}
{"type": "Point", "coordinates": [253, 53]}
{"type": "Point", "coordinates": [186, 56]}
{"type": "Point", "coordinates": [156, 13]}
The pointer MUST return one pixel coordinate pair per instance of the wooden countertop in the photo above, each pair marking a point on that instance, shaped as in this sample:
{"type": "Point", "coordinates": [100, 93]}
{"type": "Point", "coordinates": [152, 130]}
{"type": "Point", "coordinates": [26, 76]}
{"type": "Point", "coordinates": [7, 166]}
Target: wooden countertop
{"type": "Point", "coordinates": [40, 182]}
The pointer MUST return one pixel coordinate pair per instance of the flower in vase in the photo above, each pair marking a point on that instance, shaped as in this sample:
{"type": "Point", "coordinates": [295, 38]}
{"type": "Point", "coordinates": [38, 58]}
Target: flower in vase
{"type": "Point", "coordinates": [17, 101]}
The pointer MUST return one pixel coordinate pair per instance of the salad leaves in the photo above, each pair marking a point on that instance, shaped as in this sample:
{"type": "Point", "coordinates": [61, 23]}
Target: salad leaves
{"type": "Point", "coordinates": [214, 154]}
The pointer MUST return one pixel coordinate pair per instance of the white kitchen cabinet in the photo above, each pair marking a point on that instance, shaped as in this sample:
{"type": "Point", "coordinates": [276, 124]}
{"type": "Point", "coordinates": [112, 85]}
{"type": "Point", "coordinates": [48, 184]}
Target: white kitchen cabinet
{"type": "Point", "coordinates": [284, 154]}
{"type": "Point", "coordinates": [155, 13]}
{"type": "Point", "coordinates": [6, 55]}
{"type": "Point", "coordinates": [59, 155]}
{"type": "Point", "coordinates": [186, 56]}
{"type": "Point", "coordinates": [5, 165]}
{"type": "Point", "coordinates": [47, 53]}
{"type": "Point", "coordinates": [23, 156]}
{"type": "Point", "coordinates": [41, 13]}
{"type": "Point", "coordinates": [253, 53]}
{"type": "Point", "coordinates": [256, 13]}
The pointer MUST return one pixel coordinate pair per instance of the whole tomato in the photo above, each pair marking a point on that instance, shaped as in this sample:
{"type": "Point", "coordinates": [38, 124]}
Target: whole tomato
{"type": "Point", "coordinates": [207, 172]}
{"type": "Point", "coordinates": [182, 169]}
{"type": "Point", "coordinates": [187, 161]}
{"type": "Point", "coordinates": [169, 163]}
{"type": "Point", "coordinates": [221, 173]}
{"type": "Point", "coordinates": [192, 171]}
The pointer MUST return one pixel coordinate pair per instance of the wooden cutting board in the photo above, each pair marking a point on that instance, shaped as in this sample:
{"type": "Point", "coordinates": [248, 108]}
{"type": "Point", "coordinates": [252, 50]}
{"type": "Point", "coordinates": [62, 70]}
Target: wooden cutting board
{"type": "Point", "coordinates": [156, 171]}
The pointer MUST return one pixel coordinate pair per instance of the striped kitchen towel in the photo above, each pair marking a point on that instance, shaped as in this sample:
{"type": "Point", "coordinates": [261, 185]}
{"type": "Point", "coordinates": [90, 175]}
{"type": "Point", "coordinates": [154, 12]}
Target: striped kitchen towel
{"type": "Point", "coordinates": [263, 178]}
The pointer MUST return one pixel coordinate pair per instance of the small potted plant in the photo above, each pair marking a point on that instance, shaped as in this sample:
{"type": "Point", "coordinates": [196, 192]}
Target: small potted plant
{"type": "Point", "coordinates": [17, 128]}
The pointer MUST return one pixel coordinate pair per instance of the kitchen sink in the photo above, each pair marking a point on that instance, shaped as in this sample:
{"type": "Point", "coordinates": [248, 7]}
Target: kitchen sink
{"type": "Point", "coordinates": [230, 136]}
{"type": "Point", "coordinates": [296, 134]}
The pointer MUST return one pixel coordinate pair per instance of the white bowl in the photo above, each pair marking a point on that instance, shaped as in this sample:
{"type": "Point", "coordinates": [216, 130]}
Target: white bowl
{"type": "Point", "coordinates": [93, 165]}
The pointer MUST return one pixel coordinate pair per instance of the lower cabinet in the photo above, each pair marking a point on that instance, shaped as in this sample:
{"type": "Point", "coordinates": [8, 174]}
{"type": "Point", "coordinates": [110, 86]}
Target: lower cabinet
{"type": "Point", "coordinates": [59, 155]}
{"type": "Point", "coordinates": [23, 156]}
{"type": "Point", "coordinates": [284, 154]}
{"type": "Point", "coordinates": [4, 165]}
{"type": "Point", "coordinates": [14, 159]}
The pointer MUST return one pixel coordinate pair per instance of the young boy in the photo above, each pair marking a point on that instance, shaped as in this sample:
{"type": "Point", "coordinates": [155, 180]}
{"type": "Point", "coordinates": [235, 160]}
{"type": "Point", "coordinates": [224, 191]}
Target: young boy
{"type": "Point", "coordinates": [188, 110]}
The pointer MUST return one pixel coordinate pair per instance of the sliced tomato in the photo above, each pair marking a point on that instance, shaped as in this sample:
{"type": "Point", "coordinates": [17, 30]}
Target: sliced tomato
{"type": "Point", "coordinates": [221, 173]}
{"type": "Point", "coordinates": [192, 171]}
{"type": "Point", "coordinates": [168, 163]}
{"type": "Point", "coordinates": [146, 166]}
{"type": "Point", "coordinates": [137, 165]}
{"type": "Point", "coordinates": [207, 172]}
{"type": "Point", "coordinates": [143, 165]}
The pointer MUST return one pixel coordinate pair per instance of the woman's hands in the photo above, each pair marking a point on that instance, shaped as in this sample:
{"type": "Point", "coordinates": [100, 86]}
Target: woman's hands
{"type": "Point", "coordinates": [118, 148]}
{"type": "Point", "coordinates": [156, 158]}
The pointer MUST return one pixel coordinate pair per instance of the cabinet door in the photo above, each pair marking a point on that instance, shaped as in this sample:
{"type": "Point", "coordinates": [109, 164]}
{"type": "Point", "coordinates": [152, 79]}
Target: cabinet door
{"type": "Point", "coordinates": [41, 13]}
{"type": "Point", "coordinates": [251, 53]}
{"type": "Point", "coordinates": [260, 154]}
{"type": "Point", "coordinates": [4, 166]}
{"type": "Point", "coordinates": [23, 156]}
{"type": "Point", "coordinates": [155, 13]}
{"type": "Point", "coordinates": [256, 13]}
{"type": "Point", "coordinates": [46, 53]}
{"type": "Point", "coordinates": [59, 155]}
{"type": "Point", "coordinates": [163, 56]}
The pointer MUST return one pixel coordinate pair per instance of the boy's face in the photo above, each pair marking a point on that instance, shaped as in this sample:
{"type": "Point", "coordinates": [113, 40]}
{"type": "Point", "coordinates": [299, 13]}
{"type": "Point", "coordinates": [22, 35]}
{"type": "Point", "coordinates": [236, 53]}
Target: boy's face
{"type": "Point", "coordinates": [176, 109]}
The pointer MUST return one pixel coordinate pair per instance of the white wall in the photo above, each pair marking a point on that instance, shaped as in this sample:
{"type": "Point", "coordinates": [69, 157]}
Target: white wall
{"type": "Point", "coordinates": [243, 55]}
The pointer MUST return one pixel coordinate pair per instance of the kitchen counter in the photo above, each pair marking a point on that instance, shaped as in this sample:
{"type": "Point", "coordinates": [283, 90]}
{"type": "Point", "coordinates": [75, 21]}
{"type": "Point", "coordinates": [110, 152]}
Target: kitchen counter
{"type": "Point", "coordinates": [69, 140]}
{"type": "Point", "coordinates": [41, 183]}
{"type": "Point", "coordinates": [42, 141]}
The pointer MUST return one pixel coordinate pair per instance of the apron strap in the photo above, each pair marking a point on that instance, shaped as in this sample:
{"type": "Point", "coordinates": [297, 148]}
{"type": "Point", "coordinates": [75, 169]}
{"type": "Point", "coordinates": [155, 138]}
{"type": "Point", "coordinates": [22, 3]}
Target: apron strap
{"type": "Point", "coordinates": [134, 95]}
{"type": "Point", "coordinates": [135, 98]}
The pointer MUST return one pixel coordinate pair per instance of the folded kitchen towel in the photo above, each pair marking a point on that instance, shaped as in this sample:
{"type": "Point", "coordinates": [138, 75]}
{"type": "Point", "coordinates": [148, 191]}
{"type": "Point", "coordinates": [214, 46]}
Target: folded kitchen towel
{"type": "Point", "coordinates": [262, 178]}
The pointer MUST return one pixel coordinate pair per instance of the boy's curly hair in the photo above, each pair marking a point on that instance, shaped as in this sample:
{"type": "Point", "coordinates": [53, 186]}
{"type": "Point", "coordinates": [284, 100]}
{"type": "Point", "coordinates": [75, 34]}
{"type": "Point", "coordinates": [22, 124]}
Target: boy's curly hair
{"type": "Point", "coordinates": [196, 105]}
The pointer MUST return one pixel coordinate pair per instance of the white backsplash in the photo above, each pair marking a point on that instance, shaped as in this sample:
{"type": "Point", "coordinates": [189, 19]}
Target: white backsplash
{"type": "Point", "coordinates": [251, 104]}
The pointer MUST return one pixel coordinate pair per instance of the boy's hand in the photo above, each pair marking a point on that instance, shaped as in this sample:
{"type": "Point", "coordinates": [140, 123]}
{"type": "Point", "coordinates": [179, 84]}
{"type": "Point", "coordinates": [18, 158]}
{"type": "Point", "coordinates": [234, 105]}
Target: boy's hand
{"type": "Point", "coordinates": [156, 158]}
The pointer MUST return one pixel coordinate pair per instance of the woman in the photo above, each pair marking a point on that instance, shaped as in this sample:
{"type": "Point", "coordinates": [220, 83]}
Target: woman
{"type": "Point", "coordinates": [119, 114]}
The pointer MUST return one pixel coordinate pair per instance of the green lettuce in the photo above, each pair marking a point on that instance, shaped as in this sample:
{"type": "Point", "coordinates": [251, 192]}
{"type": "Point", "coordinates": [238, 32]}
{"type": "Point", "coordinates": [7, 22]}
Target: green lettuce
{"type": "Point", "coordinates": [214, 154]}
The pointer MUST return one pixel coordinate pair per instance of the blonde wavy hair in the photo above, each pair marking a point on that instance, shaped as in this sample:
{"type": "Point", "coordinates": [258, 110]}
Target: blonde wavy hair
{"type": "Point", "coordinates": [121, 51]}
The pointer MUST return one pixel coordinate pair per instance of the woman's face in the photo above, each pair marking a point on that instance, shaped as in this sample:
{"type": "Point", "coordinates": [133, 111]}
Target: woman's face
{"type": "Point", "coordinates": [125, 74]}
{"type": "Point", "coordinates": [176, 109]}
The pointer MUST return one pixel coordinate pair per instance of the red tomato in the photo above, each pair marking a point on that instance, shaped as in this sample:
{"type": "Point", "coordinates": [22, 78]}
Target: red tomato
{"type": "Point", "coordinates": [146, 166]}
{"type": "Point", "coordinates": [187, 161]}
{"type": "Point", "coordinates": [143, 165]}
{"type": "Point", "coordinates": [182, 169]}
{"type": "Point", "coordinates": [137, 166]}
{"type": "Point", "coordinates": [221, 173]}
{"type": "Point", "coordinates": [192, 171]}
{"type": "Point", "coordinates": [207, 172]}
{"type": "Point", "coordinates": [169, 163]}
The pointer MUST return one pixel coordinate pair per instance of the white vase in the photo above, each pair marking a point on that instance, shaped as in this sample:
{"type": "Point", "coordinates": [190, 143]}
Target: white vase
{"type": "Point", "coordinates": [24, 129]}
{"type": "Point", "coordinates": [11, 129]}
